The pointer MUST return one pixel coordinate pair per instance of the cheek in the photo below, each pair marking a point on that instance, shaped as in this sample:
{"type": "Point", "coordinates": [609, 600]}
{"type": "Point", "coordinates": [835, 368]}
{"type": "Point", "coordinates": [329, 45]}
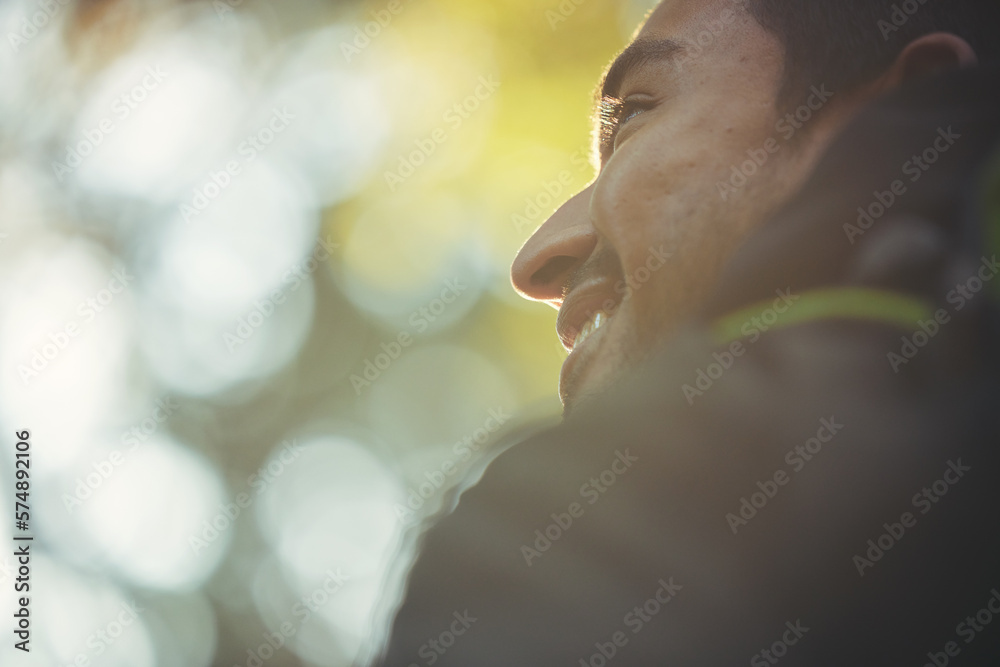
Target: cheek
{"type": "Point", "coordinates": [656, 204]}
{"type": "Point", "coordinates": [651, 196]}
{"type": "Point", "coordinates": [632, 197]}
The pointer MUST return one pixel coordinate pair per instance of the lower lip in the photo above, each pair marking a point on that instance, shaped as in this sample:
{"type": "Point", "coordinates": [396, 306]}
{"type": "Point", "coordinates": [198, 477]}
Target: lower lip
{"type": "Point", "coordinates": [576, 364]}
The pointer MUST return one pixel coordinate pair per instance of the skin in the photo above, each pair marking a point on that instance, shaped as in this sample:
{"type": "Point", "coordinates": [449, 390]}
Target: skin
{"type": "Point", "coordinates": [657, 192]}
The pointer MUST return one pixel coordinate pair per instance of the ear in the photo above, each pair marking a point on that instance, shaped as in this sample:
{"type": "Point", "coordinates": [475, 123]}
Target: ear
{"type": "Point", "coordinates": [927, 55]}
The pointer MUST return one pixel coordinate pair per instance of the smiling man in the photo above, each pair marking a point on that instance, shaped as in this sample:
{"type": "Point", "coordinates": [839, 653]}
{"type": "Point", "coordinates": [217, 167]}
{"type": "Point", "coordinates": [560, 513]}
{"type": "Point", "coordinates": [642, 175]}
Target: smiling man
{"type": "Point", "coordinates": [674, 118]}
{"type": "Point", "coordinates": [706, 126]}
{"type": "Point", "coordinates": [780, 296]}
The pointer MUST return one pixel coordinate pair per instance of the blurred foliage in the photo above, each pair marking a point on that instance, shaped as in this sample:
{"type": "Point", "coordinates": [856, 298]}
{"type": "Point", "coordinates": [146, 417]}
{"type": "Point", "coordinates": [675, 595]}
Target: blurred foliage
{"type": "Point", "coordinates": [295, 373]}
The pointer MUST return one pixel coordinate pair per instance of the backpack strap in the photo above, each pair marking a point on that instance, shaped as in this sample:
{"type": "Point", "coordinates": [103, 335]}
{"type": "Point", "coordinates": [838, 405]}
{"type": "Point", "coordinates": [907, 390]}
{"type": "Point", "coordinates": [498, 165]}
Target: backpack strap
{"type": "Point", "coordinates": [894, 309]}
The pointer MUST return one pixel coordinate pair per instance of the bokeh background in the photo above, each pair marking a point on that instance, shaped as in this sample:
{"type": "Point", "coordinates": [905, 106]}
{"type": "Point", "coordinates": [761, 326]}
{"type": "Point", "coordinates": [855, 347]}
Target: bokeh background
{"type": "Point", "coordinates": [255, 304]}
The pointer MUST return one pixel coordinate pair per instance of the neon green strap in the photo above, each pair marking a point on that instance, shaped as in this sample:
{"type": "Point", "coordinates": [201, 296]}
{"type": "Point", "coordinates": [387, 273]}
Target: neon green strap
{"type": "Point", "coordinates": [869, 305]}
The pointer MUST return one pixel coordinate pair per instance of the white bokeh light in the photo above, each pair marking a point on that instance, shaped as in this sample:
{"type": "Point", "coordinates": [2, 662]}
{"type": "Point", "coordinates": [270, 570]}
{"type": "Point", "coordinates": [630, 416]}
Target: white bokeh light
{"type": "Point", "coordinates": [341, 123]}
{"type": "Point", "coordinates": [183, 629]}
{"type": "Point", "coordinates": [334, 504]}
{"type": "Point", "coordinates": [150, 519]}
{"type": "Point", "coordinates": [458, 386]}
{"type": "Point", "coordinates": [173, 108]}
{"type": "Point", "coordinates": [66, 337]}
{"type": "Point", "coordinates": [241, 246]}
{"type": "Point", "coordinates": [334, 510]}
{"type": "Point", "coordinates": [77, 615]}
{"type": "Point", "coordinates": [211, 317]}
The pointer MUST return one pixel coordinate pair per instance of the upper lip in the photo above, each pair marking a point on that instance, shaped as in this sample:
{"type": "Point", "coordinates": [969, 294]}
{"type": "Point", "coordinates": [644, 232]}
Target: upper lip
{"type": "Point", "coordinates": [580, 305]}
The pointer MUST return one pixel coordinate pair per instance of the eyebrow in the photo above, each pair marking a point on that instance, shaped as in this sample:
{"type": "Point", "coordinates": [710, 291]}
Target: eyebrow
{"type": "Point", "coordinates": [638, 54]}
{"type": "Point", "coordinates": [635, 56]}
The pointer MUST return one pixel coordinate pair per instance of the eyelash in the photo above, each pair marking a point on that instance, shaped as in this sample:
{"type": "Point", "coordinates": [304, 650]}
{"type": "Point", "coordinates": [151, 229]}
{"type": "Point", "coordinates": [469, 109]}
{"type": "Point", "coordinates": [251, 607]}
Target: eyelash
{"type": "Point", "coordinates": [627, 112]}
{"type": "Point", "coordinates": [615, 114]}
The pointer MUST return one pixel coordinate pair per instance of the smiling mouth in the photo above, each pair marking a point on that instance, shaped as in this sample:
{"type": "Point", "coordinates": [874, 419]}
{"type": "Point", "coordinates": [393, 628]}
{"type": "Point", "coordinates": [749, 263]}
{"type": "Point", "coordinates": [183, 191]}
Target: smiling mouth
{"type": "Point", "coordinates": [584, 317]}
{"type": "Point", "coordinates": [585, 348]}
{"type": "Point", "coordinates": [584, 312]}
{"type": "Point", "coordinates": [589, 327]}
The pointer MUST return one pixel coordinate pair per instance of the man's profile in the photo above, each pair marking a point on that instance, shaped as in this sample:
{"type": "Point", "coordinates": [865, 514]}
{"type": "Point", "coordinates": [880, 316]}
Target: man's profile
{"type": "Point", "coordinates": [779, 294]}
{"type": "Point", "coordinates": [677, 119]}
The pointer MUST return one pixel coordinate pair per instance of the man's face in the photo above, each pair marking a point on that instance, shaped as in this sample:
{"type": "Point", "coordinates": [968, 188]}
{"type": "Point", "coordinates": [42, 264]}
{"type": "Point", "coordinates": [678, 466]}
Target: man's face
{"type": "Point", "coordinates": [638, 250]}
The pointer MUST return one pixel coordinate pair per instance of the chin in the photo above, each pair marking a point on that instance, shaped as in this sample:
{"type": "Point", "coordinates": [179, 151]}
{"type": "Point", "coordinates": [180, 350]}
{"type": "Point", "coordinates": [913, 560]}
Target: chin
{"type": "Point", "coordinates": [594, 380]}
{"type": "Point", "coordinates": [624, 348]}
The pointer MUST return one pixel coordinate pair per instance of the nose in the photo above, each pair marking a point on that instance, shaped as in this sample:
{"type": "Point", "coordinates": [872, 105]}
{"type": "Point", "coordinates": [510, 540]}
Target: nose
{"type": "Point", "coordinates": [559, 247]}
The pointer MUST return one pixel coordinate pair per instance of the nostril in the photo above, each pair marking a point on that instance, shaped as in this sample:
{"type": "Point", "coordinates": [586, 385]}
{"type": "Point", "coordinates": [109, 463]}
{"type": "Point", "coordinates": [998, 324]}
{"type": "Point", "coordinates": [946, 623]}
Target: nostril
{"type": "Point", "coordinates": [553, 269]}
{"type": "Point", "coordinates": [559, 247]}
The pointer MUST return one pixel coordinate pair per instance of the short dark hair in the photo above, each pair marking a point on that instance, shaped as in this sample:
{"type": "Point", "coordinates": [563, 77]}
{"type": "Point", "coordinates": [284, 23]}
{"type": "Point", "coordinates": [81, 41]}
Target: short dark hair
{"type": "Point", "coordinates": [847, 43]}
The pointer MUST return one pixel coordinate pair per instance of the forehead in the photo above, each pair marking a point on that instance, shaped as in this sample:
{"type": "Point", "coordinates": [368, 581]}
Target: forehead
{"type": "Point", "coordinates": [713, 32]}
{"type": "Point", "coordinates": [707, 38]}
{"type": "Point", "coordinates": [686, 18]}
